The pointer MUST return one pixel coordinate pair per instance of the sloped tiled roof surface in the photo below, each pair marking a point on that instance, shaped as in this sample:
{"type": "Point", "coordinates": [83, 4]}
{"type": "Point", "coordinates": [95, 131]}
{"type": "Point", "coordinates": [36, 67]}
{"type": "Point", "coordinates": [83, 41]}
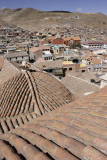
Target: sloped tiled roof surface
{"type": "Point", "coordinates": [78, 86]}
{"type": "Point", "coordinates": [29, 92]}
{"type": "Point", "coordinates": [49, 64]}
{"type": "Point", "coordinates": [75, 38]}
{"type": "Point", "coordinates": [42, 47]}
{"type": "Point", "coordinates": [96, 60]}
{"type": "Point", "coordinates": [84, 75]}
{"type": "Point", "coordinates": [75, 131]}
{"type": "Point", "coordinates": [1, 63]}
{"type": "Point", "coordinates": [12, 55]}
{"type": "Point", "coordinates": [7, 72]}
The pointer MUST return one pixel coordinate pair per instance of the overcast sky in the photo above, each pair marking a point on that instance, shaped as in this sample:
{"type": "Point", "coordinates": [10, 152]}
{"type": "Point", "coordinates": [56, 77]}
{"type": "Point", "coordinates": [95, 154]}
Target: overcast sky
{"type": "Point", "coordinates": [82, 6]}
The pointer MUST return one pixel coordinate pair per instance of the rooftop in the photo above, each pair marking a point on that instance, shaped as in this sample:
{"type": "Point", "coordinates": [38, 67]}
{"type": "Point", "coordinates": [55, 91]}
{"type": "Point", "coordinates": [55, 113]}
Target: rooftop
{"type": "Point", "coordinates": [1, 63]}
{"type": "Point", "coordinates": [104, 77]}
{"type": "Point", "coordinates": [8, 71]}
{"type": "Point", "coordinates": [79, 87]}
{"type": "Point", "coordinates": [42, 47]}
{"type": "Point", "coordinates": [85, 75]}
{"type": "Point", "coordinates": [76, 38]}
{"type": "Point", "coordinates": [48, 64]}
{"type": "Point", "coordinates": [75, 131]}
{"type": "Point", "coordinates": [32, 91]}
{"type": "Point", "coordinates": [12, 55]}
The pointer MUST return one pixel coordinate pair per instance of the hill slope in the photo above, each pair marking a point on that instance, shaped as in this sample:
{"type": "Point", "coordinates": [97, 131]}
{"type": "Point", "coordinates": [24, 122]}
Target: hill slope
{"type": "Point", "coordinates": [36, 20]}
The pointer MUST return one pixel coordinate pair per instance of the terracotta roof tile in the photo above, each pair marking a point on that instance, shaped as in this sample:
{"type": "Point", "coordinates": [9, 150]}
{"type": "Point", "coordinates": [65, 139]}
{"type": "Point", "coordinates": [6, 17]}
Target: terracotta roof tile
{"type": "Point", "coordinates": [8, 152]}
{"type": "Point", "coordinates": [78, 86]}
{"type": "Point", "coordinates": [67, 38]}
{"type": "Point", "coordinates": [77, 130]}
{"type": "Point", "coordinates": [7, 72]}
{"type": "Point", "coordinates": [76, 38]}
{"type": "Point", "coordinates": [95, 60]}
{"type": "Point", "coordinates": [48, 64]}
{"type": "Point", "coordinates": [42, 47]}
{"type": "Point", "coordinates": [30, 94]}
{"type": "Point", "coordinates": [90, 153]}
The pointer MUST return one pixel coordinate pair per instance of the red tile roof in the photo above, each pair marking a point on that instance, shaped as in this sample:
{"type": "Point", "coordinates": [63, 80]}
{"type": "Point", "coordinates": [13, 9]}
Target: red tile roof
{"type": "Point", "coordinates": [52, 37]}
{"type": "Point", "coordinates": [95, 60]}
{"type": "Point", "coordinates": [88, 55]}
{"type": "Point", "coordinates": [29, 92]}
{"type": "Point", "coordinates": [67, 38]}
{"type": "Point", "coordinates": [42, 47]}
{"type": "Point", "coordinates": [34, 49]}
{"type": "Point", "coordinates": [75, 131]}
{"type": "Point", "coordinates": [76, 38]}
{"type": "Point", "coordinates": [8, 71]}
{"type": "Point", "coordinates": [48, 64]}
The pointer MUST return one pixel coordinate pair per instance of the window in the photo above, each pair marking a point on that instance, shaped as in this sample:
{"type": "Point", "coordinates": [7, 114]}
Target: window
{"type": "Point", "coordinates": [70, 69]}
{"type": "Point", "coordinates": [83, 70]}
{"type": "Point", "coordinates": [92, 80]}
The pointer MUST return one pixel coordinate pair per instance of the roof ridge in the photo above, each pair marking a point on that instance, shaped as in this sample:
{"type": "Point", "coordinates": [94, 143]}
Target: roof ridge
{"type": "Point", "coordinates": [34, 85]}
{"type": "Point", "coordinates": [32, 91]}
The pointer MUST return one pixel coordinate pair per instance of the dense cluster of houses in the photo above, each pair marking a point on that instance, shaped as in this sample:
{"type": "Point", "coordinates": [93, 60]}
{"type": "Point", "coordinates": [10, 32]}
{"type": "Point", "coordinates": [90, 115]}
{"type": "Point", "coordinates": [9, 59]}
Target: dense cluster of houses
{"type": "Point", "coordinates": [58, 53]}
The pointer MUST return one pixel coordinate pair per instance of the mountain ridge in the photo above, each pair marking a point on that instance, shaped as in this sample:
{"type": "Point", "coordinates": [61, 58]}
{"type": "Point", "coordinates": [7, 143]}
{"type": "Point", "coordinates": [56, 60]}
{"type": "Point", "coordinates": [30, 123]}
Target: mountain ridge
{"type": "Point", "coordinates": [36, 20]}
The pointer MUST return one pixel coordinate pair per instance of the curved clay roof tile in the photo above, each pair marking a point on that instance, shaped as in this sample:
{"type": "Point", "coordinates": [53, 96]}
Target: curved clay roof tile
{"type": "Point", "coordinates": [75, 131]}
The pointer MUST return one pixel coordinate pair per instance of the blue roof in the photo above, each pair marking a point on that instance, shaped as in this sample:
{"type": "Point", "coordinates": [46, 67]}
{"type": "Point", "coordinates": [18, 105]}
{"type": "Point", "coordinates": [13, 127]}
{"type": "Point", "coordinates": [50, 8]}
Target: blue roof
{"type": "Point", "coordinates": [55, 47]}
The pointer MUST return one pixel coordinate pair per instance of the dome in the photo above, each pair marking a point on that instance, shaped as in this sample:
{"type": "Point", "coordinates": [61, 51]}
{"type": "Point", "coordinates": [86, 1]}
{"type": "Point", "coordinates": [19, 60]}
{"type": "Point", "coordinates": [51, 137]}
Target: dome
{"type": "Point", "coordinates": [31, 92]}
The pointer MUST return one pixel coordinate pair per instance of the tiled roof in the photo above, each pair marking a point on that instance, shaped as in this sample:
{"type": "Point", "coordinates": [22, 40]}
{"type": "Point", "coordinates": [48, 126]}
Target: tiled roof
{"type": "Point", "coordinates": [1, 63]}
{"type": "Point", "coordinates": [76, 131]}
{"type": "Point", "coordinates": [67, 38]}
{"type": "Point", "coordinates": [85, 75]}
{"type": "Point", "coordinates": [49, 64]}
{"type": "Point", "coordinates": [20, 54]}
{"type": "Point", "coordinates": [29, 92]}
{"type": "Point", "coordinates": [34, 49]}
{"type": "Point", "coordinates": [40, 59]}
{"type": "Point", "coordinates": [7, 72]}
{"type": "Point", "coordinates": [95, 60]}
{"type": "Point", "coordinates": [79, 87]}
{"type": "Point", "coordinates": [76, 38]}
{"type": "Point", "coordinates": [89, 55]}
{"type": "Point", "coordinates": [52, 37]}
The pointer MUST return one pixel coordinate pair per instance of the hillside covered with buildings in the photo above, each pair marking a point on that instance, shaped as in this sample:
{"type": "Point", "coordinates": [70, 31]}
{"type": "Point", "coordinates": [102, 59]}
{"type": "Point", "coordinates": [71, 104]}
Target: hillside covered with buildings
{"type": "Point", "coordinates": [74, 23]}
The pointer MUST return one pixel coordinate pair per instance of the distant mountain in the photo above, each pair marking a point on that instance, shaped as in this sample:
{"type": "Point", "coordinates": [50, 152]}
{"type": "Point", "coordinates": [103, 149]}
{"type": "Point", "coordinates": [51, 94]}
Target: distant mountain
{"type": "Point", "coordinates": [36, 20]}
{"type": "Point", "coordinates": [60, 11]}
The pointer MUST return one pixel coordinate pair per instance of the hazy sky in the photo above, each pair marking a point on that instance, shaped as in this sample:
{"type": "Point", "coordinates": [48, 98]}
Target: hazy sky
{"type": "Point", "coordinates": [49, 5]}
